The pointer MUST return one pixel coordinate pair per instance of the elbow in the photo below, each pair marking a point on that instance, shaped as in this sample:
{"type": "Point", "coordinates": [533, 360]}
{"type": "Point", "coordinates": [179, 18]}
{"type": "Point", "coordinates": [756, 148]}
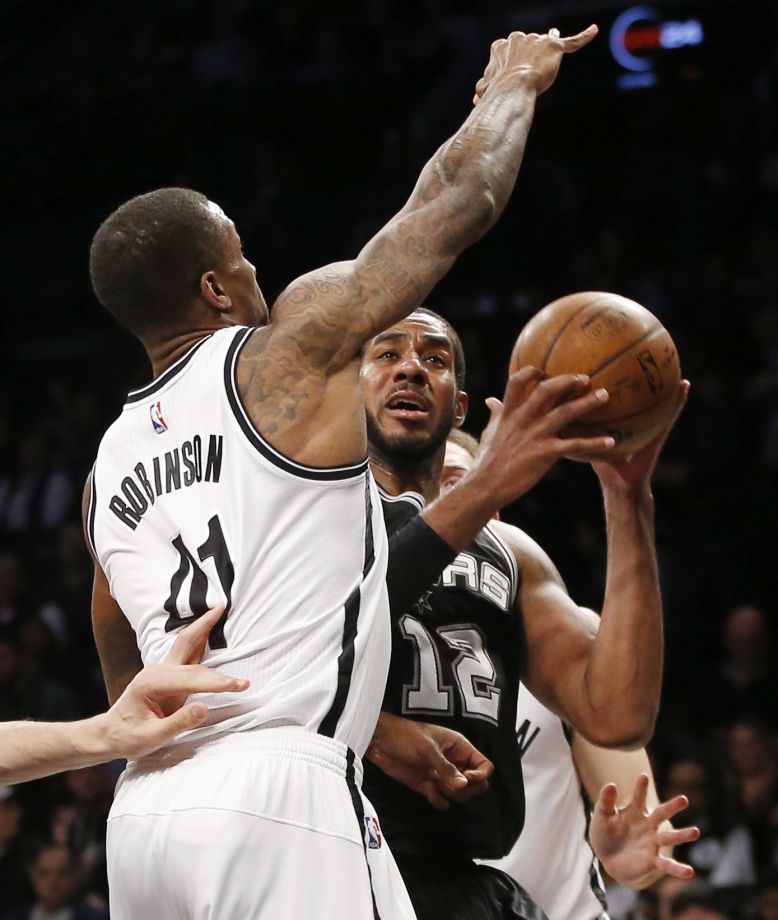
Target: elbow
{"type": "Point", "coordinates": [625, 733]}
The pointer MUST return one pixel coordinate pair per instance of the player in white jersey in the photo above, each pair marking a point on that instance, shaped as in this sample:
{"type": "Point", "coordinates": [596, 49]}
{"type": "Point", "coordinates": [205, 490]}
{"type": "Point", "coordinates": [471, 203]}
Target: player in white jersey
{"type": "Point", "coordinates": [239, 477]}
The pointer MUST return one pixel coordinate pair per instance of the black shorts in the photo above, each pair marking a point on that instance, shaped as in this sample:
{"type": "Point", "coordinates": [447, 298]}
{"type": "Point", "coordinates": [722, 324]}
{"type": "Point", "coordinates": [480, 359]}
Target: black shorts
{"type": "Point", "coordinates": [466, 891]}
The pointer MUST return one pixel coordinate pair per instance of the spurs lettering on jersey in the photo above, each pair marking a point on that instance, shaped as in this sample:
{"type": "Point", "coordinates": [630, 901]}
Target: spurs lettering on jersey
{"type": "Point", "coordinates": [478, 576]}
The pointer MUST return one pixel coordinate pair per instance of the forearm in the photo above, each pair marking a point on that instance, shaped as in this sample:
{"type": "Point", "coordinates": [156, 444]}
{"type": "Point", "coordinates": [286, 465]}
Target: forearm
{"type": "Point", "coordinates": [597, 766]}
{"type": "Point", "coordinates": [417, 556]}
{"type": "Point", "coordinates": [460, 513]}
{"type": "Point", "coordinates": [30, 750]}
{"type": "Point", "coordinates": [459, 195]}
{"type": "Point", "coordinates": [471, 177]}
{"type": "Point", "coordinates": [624, 672]}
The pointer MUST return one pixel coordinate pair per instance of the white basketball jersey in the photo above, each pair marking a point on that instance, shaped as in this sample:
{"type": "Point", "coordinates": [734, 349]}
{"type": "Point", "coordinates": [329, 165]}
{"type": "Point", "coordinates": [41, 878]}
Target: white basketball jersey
{"type": "Point", "coordinates": [192, 508]}
{"type": "Point", "coordinates": [552, 858]}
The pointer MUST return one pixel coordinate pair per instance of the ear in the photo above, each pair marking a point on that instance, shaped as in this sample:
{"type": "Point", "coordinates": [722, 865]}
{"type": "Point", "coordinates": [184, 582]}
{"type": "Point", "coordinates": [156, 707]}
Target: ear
{"type": "Point", "coordinates": [460, 413]}
{"type": "Point", "coordinates": [214, 293]}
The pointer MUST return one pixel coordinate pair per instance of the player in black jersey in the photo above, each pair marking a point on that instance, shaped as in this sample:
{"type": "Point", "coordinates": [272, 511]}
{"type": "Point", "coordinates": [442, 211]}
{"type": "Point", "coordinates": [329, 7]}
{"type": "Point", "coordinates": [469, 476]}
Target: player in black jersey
{"type": "Point", "coordinates": [499, 611]}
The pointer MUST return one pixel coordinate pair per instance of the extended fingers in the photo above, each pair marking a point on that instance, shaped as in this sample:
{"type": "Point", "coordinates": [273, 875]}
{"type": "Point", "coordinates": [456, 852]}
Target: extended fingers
{"type": "Point", "coordinates": [676, 837]}
{"type": "Point", "coordinates": [673, 867]}
{"type": "Point", "coordinates": [574, 42]}
{"type": "Point", "coordinates": [606, 801]}
{"type": "Point", "coordinates": [162, 681]}
{"type": "Point", "coordinates": [190, 643]}
{"type": "Point", "coordinates": [667, 810]}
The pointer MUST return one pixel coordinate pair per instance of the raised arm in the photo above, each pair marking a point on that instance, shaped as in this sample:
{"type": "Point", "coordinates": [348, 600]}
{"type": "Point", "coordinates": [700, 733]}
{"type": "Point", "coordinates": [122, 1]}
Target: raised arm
{"type": "Point", "coordinates": [606, 685]}
{"type": "Point", "coordinates": [460, 193]}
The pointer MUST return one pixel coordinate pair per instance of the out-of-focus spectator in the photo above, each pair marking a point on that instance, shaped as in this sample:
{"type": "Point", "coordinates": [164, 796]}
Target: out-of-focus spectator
{"type": "Point", "coordinates": [14, 852]}
{"type": "Point", "coordinates": [695, 902]}
{"type": "Point", "coordinates": [746, 685]}
{"type": "Point", "coordinates": [753, 779]}
{"type": "Point", "coordinates": [91, 792]}
{"type": "Point", "coordinates": [767, 904]}
{"type": "Point", "coordinates": [37, 495]}
{"type": "Point", "coordinates": [55, 879]}
{"type": "Point", "coordinates": [26, 693]}
{"type": "Point", "coordinates": [14, 603]}
{"type": "Point", "coordinates": [723, 855]}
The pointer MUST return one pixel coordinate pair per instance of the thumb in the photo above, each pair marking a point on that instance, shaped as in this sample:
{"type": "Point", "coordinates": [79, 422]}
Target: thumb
{"type": "Point", "coordinates": [189, 716]}
{"type": "Point", "coordinates": [495, 408]}
{"type": "Point", "coordinates": [447, 772]}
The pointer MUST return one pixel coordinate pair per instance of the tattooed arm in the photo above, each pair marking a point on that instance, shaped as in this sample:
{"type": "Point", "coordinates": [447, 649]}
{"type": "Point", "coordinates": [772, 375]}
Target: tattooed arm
{"type": "Point", "coordinates": [460, 193]}
{"type": "Point", "coordinates": [297, 377]}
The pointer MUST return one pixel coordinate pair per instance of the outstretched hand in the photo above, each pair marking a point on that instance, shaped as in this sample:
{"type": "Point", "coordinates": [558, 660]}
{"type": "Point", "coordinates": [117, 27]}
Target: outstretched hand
{"type": "Point", "coordinates": [153, 708]}
{"type": "Point", "coordinates": [538, 56]}
{"type": "Point", "coordinates": [629, 842]}
{"type": "Point", "coordinates": [438, 763]}
{"type": "Point", "coordinates": [522, 440]}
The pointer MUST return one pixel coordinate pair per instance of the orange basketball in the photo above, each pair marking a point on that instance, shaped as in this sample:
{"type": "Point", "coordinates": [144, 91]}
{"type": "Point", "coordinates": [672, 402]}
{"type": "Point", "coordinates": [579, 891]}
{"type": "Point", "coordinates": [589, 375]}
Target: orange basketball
{"type": "Point", "coordinates": [622, 347]}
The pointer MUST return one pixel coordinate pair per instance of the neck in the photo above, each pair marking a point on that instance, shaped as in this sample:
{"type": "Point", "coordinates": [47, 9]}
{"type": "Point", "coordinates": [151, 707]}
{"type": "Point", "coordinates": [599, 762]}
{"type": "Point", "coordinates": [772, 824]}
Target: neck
{"type": "Point", "coordinates": [397, 476]}
{"type": "Point", "coordinates": [169, 346]}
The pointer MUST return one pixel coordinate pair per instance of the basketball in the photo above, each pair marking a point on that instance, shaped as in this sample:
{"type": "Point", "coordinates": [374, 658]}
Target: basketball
{"type": "Point", "coordinates": [622, 347]}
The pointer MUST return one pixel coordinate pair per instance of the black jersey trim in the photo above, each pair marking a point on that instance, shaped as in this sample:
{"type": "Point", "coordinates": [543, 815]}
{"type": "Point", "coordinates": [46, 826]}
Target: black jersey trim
{"type": "Point", "coordinates": [90, 518]}
{"type": "Point", "coordinates": [359, 810]}
{"type": "Point", "coordinates": [323, 473]}
{"type": "Point", "coordinates": [139, 395]}
{"type": "Point", "coordinates": [513, 567]}
{"type": "Point", "coordinates": [594, 874]}
{"type": "Point", "coordinates": [413, 497]}
{"type": "Point", "coordinates": [351, 610]}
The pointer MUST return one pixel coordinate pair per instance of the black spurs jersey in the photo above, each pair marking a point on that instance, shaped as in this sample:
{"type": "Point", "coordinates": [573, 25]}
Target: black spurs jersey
{"type": "Point", "coordinates": [456, 660]}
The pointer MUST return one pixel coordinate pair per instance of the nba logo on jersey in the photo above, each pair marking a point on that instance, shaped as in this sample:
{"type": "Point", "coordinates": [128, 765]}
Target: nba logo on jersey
{"type": "Point", "coordinates": [160, 425]}
{"type": "Point", "coordinates": [372, 833]}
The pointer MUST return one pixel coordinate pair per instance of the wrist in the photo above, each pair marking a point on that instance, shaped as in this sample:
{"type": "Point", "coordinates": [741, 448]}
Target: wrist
{"type": "Point", "coordinates": [628, 497]}
{"type": "Point", "coordinates": [94, 739]}
{"type": "Point", "coordinates": [522, 77]}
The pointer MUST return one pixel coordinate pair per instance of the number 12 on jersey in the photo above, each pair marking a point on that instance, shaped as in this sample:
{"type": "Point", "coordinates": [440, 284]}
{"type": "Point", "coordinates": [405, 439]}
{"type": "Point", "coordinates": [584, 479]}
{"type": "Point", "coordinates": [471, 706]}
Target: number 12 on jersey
{"type": "Point", "coordinates": [473, 671]}
{"type": "Point", "coordinates": [215, 547]}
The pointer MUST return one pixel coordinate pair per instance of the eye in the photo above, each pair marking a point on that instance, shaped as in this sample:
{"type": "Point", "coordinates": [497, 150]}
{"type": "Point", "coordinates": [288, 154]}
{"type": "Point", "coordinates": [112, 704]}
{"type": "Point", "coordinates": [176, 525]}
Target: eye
{"type": "Point", "coordinates": [388, 354]}
{"type": "Point", "coordinates": [436, 359]}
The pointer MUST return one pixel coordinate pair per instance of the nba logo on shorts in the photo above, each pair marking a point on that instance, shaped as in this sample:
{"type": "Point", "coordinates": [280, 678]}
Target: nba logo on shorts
{"type": "Point", "coordinates": [372, 833]}
{"type": "Point", "coordinates": [160, 425]}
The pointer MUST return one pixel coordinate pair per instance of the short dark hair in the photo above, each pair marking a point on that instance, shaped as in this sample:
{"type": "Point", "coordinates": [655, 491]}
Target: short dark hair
{"type": "Point", "coordinates": [147, 258]}
{"type": "Point", "coordinates": [460, 368]}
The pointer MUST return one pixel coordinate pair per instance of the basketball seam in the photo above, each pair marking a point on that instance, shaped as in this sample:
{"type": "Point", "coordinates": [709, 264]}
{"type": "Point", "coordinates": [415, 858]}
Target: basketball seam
{"type": "Point", "coordinates": [564, 326]}
{"type": "Point", "coordinates": [614, 357]}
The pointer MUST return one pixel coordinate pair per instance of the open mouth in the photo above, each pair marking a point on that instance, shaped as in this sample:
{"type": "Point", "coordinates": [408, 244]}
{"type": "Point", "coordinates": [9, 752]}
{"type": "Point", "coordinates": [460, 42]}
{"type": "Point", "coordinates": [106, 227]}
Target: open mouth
{"type": "Point", "coordinates": [407, 405]}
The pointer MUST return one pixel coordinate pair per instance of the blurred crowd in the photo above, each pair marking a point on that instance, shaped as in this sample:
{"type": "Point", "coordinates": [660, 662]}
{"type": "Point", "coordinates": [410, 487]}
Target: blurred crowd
{"type": "Point", "coordinates": [309, 127]}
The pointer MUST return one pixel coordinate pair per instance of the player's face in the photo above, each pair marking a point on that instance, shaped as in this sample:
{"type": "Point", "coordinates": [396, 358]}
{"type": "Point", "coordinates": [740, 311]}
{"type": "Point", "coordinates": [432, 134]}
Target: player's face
{"type": "Point", "coordinates": [455, 464]}
{"type": "Point", "coordinates": [410, 389]}
{"type": "Point", "coordinates": [238, 277]}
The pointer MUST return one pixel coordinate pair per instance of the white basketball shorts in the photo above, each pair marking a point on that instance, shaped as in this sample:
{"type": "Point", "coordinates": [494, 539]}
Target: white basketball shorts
{"type": "Point", "coordinates": [262, 825]}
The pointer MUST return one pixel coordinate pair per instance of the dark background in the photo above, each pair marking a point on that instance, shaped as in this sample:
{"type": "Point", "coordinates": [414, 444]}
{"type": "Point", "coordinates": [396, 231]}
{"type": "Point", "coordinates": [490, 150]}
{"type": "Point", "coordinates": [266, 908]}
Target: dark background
{"type": "Point", "coordinates": [309, 123]}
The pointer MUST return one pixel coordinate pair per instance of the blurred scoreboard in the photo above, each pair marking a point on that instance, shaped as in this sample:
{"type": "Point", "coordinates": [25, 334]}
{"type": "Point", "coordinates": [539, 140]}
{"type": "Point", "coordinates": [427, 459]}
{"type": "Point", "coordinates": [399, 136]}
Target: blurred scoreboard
{"type": "Point", "coordinates": [647, 45]}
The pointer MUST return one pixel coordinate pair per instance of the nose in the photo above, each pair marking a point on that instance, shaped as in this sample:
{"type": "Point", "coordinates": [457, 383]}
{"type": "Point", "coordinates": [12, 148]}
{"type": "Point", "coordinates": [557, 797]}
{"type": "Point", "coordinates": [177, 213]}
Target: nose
{"type": "Point", "coordinates": [410, 369]}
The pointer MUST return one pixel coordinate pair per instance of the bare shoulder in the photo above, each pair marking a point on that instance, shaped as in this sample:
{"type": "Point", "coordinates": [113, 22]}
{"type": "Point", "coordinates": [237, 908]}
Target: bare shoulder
{"type": "Point", "coordinates": [303, 407]}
